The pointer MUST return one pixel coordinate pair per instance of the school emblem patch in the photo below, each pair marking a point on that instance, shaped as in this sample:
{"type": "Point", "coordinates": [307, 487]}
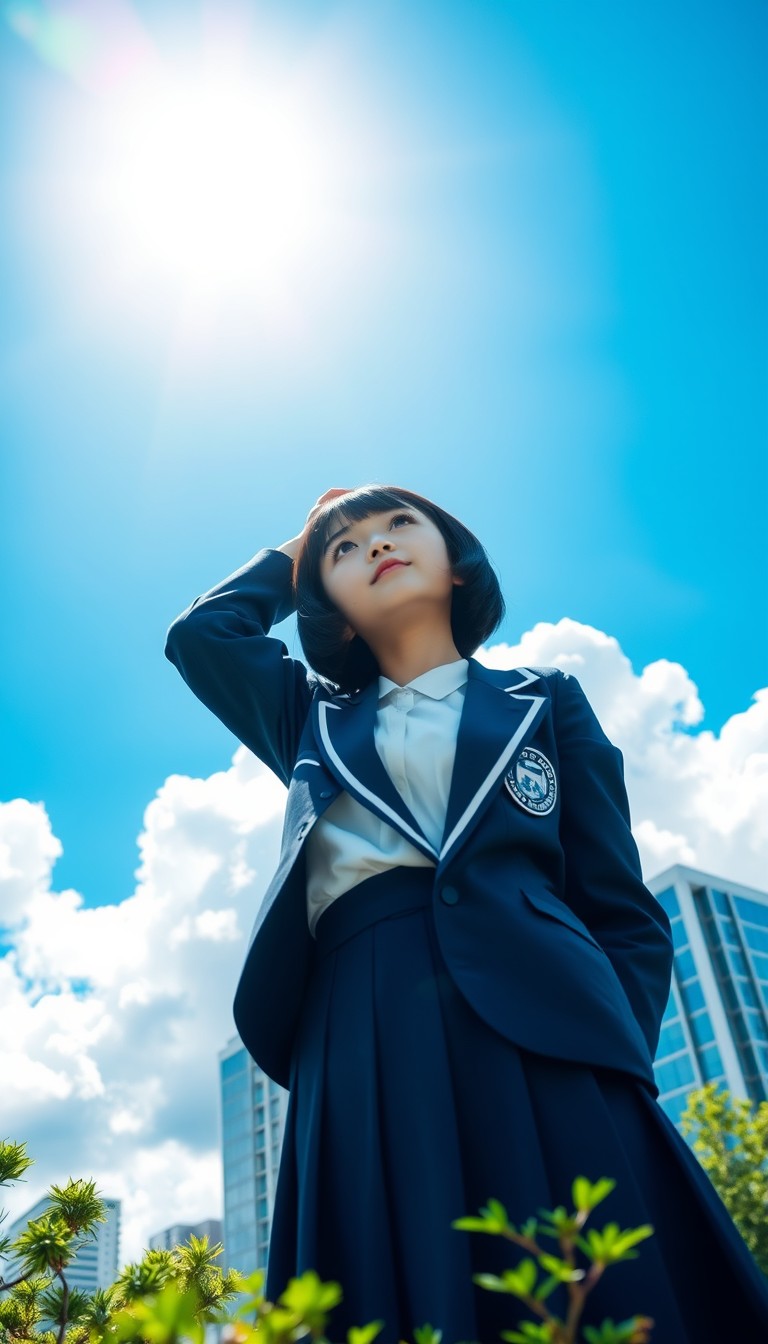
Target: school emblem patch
{"type": "Point", "coordinates": [532, 783]}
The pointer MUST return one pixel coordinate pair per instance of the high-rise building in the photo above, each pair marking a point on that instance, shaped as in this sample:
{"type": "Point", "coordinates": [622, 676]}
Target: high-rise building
{"type": "Point", "coordinates": [252, 1122]}
{"type": "Point", "coordinates": [96, 1263]}
{"type": "Point", "coordinates": [179, 1233]}
{"type": "Point", "coordinates": [715, 1026]}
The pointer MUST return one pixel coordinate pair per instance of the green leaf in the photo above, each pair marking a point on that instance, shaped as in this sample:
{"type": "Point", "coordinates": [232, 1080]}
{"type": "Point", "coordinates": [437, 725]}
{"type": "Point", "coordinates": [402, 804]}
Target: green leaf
{"type": "Point", "coordinates": [546, 1287]}
{"type": "Point", "coordinates": [530, 1332]}
{"type": "Point", "coordinates": [46, 1244]}
{"type": "Point", "coordinates": [519, 1281]}
{"type": "Point", "coordinates": [586, 1195]}
{"type": "Point", "coordinates": [562, 1271]}
{"type": "Point", "coordinates": [78, 1205]}
{"type": "Point", "coordinates": [636, 1330]}
{"type": "Point", "coordinates": [310, 1298]}
{"type": "Point", "coordinates": [497, 1210]}
{"type": "Point", "coordinates": [611, 1245]}
{"type": "Point", "coordinates": [426, 1334]}
{"type": "Point", "coordinates": [363, 1334]}
{"type": "Point", "coordinates": [13, 1161]}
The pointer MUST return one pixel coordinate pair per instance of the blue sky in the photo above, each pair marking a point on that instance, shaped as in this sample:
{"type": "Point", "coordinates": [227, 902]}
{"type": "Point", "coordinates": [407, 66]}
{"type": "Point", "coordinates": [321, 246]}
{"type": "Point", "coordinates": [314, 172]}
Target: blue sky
{"type": "Point", "coordinates": [537, 293]}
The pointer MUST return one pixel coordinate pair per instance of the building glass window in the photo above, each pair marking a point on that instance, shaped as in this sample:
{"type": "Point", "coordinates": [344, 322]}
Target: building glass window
{"type": "Point", "coordinates": [674, 1106]}
{"type": "Point", "coordinates": [679, 935]}
{"type": "Point", "coordinates": [749, 994]}
{"type": "Point", "coordinates": [738, 964]}
{"type": "Point", "coordinates": [701, 1028]}
{"type": "Point", "coordinates": [668, 901]}
{"type": "Point", "coordinates": [671, 1039]}
{"type": "Point", "coordinates": [721, 903]}
{"type": "Point", "coordinates": [685, 965]}
{"type": "Point", "coordinates": [751, 910]}
{"type": "Point", "coordinates": [693, 996]}
{"type": "Point", "coordinates": [236, 1086]}
{"type": "Point", "coordinates": [711, 1063]}
{"type": "Point", "coordinates": [728, 931]}
{"type": "Point", "coordinates": [236, 1148]}
{"type": "Point", "coordinates": [234, 1064]}
{"type": "Point", "coordinates": [756, 939]}
{"type": "Point", "coordinates": [756, 1024]}
{"type": "Point", "coordinates": [675, 1073]}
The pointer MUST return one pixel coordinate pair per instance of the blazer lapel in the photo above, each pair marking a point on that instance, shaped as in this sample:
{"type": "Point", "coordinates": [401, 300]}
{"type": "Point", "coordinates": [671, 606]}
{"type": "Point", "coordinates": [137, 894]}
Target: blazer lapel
{"type": "Point", "coordinates": [344, 728]}
{"type": "Point", "coordinates": [500, 712]}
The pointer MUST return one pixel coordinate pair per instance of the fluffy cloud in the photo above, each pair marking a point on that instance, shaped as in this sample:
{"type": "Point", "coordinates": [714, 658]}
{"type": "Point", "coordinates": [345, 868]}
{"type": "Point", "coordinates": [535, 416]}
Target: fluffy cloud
{"type": "Point", "coordinates": [697, 798]}
{"type": "Point", "coordinates": [116, 1013]}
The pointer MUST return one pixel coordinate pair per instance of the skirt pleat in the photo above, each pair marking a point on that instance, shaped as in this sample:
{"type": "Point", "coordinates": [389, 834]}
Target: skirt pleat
{"type": "Point", "coordinates": [407, 1111]}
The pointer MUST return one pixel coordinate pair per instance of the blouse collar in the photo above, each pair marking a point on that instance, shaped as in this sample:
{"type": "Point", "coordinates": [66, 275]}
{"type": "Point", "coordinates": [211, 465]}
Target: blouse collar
{"type": "Point", "coordinates": [437, 683]}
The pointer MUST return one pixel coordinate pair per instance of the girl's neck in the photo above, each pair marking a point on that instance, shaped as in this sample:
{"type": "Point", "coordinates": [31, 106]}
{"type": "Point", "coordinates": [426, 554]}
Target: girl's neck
{"type": "Point", "coordinates": [416, 651]}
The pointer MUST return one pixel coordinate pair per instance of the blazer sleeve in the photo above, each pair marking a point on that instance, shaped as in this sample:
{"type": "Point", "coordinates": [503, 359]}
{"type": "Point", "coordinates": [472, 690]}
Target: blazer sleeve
{"type": "Point", "coordinates": [221, 646]}
{"type": "Point", "coordinates": [603, 876]}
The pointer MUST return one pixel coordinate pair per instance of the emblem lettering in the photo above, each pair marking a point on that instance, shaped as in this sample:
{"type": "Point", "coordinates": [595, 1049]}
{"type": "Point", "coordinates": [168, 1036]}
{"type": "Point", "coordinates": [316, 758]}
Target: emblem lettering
{"type": "Point", "coordinates": [532, 783]}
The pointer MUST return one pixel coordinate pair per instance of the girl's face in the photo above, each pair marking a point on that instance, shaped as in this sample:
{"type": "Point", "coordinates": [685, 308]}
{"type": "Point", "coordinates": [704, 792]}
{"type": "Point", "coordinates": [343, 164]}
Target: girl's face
{"type": "Point", "coordinates": [384, 564]}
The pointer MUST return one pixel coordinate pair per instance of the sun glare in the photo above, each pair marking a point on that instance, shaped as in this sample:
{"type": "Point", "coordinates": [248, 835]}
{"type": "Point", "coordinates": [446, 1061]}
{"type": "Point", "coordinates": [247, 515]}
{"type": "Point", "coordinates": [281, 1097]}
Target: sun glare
{"type": "Point", "coordinates": [213, 180]}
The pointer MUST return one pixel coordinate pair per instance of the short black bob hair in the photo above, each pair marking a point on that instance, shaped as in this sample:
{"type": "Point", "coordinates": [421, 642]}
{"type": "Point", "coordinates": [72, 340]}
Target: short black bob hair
{"type": "Point", "coordinates": [349, 665]}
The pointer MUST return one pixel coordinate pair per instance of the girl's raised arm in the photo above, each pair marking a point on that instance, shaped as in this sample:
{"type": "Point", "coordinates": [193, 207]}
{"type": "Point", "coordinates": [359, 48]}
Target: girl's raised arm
{"type": "Point", "coordinates": [221, 646]}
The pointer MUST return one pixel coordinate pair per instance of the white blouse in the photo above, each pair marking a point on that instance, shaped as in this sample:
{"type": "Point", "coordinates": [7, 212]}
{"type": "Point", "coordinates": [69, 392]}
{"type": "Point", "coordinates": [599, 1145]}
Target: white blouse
{"type": "Point", "coordinates": [415, 735]}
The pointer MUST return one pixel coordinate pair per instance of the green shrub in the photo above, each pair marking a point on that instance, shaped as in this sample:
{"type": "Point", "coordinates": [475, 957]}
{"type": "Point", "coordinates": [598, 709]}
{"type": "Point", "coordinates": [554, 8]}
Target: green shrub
{"type": "Point", "coordinates": [170, 1297]}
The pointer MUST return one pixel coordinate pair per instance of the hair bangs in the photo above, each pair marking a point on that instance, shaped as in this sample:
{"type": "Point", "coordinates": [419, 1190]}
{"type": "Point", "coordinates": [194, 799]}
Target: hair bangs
{"type": "Point", "coordinates": [356, 506]}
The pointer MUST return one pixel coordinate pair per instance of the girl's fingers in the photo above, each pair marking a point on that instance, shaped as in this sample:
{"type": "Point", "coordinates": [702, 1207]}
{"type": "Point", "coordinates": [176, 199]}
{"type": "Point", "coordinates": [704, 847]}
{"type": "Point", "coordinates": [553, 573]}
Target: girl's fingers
{"type": "Point", "coordinates": [324, 499]}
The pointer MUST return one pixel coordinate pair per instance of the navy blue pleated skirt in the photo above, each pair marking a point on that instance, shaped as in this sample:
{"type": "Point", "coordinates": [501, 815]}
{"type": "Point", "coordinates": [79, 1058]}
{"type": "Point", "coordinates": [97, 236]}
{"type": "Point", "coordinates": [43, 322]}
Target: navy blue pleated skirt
{"type": "Point", "coordinates": [407, 1111]}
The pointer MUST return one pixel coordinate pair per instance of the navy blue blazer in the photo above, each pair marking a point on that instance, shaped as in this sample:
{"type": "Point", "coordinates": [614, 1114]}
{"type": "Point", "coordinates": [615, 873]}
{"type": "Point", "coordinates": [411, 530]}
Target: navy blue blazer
{"type": "Point", "coordinates": [540, 909]}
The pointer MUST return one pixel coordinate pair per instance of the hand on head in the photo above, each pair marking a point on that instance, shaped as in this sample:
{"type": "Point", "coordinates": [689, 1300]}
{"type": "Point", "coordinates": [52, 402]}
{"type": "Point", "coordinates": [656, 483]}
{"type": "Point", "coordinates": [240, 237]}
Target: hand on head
{"type": "Point", "coordinates": [293, 546]}
{"type": "Point", "coordinates": [321, 502]}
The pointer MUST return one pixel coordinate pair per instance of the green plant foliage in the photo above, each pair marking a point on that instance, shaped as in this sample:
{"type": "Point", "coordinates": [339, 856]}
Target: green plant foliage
{"type": "Point", "coordinates": [601, 1249]}
{"type": "Point", "coordinates": [60, 1306]}
{"type": "Point", "coordinates": [45, 1246]}
{"type": "Point", "coordinates": [611, 1245]}
{"type": "Point", "coordinates": [13, 1161]}
{"type": "Point", "coordinates": [731, 1142]}
{"type": "Point", "coordinates": [637, 1330]}
{"type": "Point", "coordinates": [163, 1318]}
{"type": "Point", "coordinates": [78, 1205]}
{"type": "Point", "coordinates": [169, 1297]}
{"type": "Point", "coordinates": [367, 1333]}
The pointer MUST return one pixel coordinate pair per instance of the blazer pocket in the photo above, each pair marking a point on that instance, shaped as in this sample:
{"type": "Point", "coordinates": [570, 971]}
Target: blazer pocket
{"type": "Point", "coordinates": [546, 903]}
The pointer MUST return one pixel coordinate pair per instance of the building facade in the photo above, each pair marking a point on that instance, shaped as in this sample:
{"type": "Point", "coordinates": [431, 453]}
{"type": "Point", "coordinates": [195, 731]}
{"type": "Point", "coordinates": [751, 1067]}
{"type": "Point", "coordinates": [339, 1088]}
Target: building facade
{"type": "Point", "coordinates": [179, 1233]}
{"type": "Point", "coordinates": [96, 1263]}
{"type": "Point", "coordinates": [253, 1111]}
{"type": "Point", "coordinates": [715, 1026]}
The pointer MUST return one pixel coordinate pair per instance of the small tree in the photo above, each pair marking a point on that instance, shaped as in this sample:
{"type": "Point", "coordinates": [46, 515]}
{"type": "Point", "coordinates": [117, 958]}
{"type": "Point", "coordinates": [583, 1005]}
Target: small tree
{"type": "Point", "coordinates": [732, 1145]}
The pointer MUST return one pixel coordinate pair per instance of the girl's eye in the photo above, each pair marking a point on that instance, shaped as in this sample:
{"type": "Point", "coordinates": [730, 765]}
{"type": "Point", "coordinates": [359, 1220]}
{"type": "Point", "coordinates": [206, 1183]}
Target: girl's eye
{"type": "Point", "coordinates": [396, 521]}
{"type": "Point", "coordinates": [337, 551]}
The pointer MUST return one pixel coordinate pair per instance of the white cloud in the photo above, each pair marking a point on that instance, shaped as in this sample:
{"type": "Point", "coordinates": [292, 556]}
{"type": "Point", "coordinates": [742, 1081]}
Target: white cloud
{"type": "Point", "coordinates": [698, 798]}
{"type": "Point", "coordinates": [117, 1012]}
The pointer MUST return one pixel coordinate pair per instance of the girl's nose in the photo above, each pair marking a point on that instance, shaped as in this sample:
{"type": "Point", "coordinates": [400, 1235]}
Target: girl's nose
{"type": "Point", "coordinates": [377, 545]}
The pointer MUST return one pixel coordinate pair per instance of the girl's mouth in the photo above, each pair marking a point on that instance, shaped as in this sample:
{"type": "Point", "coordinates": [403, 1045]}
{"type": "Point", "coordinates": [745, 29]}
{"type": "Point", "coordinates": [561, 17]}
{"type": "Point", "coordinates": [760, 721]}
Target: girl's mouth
{"type": "Point", "coordinates": [385, 565]}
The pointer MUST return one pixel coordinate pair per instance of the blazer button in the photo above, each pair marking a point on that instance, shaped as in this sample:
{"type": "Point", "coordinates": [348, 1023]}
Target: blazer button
{"type": "Point", "coordinates": [450, 895]}
{"type": "Point", "coordinates": [326, 793]}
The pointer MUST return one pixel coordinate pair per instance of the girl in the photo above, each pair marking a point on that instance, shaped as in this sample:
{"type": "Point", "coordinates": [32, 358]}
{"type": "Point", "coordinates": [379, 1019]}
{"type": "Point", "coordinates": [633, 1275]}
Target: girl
{"type": "Point", "coordinates": [456, 970]}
